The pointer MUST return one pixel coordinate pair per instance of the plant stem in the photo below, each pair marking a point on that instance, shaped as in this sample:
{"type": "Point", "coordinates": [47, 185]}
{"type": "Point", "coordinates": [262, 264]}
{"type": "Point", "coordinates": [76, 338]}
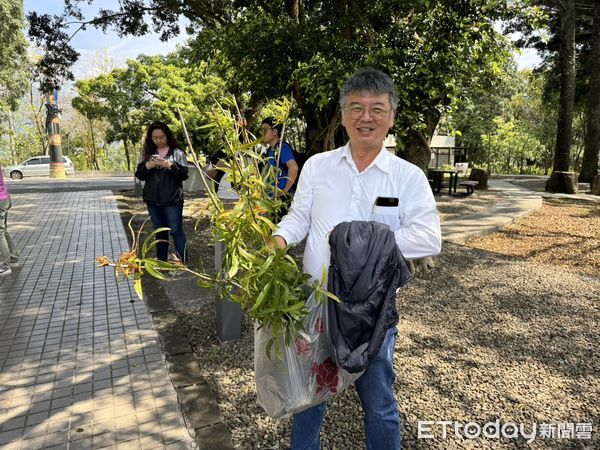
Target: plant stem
{"type": "Point", "coordinates": [203, 176]}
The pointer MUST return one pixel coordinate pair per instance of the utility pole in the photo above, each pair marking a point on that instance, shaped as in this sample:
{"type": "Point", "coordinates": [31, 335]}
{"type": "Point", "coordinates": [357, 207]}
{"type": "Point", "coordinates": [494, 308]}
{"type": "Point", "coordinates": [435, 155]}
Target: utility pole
{"type": "Point", "coordinates": [57, 165]}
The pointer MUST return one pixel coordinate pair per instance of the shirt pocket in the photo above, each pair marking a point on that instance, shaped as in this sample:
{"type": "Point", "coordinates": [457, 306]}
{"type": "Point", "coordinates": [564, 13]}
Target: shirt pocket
{"type": "Point", "coordinates": [387, 215]}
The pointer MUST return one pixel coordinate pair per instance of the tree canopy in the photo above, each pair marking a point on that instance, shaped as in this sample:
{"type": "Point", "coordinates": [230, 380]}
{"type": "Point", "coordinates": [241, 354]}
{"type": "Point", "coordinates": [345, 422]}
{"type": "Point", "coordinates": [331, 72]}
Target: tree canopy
{"type": "Point", "coordinates": [269, 49]}
{"type": "Point", "coordinates": [13, 54]}
{"type": "Point", "coordinates": [148, 89]}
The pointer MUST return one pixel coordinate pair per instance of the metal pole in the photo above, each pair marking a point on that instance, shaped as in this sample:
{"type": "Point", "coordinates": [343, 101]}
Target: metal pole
{"type": "Point", "coordinates": [229, 314]}
{"type": "Point", "coordinates": [57, 165]}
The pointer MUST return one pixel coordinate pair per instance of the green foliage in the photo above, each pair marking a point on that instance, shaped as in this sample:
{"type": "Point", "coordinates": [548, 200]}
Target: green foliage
{"type": "Point", "coordinates": [133, 264]}
{"type": "Point", "coordinates": [13, 75]}
{"type": "Point", "coordinates": [149, 89]}
{"type": "Point", "coordinates": [264, 279]}
{"type": "Point", "coordinates": [268, 281]}
{"type": "Point", "coordinates": [511, 148]}
{"type": "Point", "coordinates": [431, 49]}
{"type": "Point", "coordinates": [13, 54]}
{"type": "Point", "coordinates": [510, 124]}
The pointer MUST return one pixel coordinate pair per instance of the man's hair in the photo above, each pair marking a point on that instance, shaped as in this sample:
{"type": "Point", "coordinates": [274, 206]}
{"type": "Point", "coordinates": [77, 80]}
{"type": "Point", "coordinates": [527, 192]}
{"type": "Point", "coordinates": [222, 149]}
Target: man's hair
{"type": "Point", "coordinates": [273, 124]}
{"type": "Point", "coordinates": [372, 81]}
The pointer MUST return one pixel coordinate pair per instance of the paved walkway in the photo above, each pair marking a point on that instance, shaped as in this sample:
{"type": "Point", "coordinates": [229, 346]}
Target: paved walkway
{"type": "Point", "coordinates": [519, 202]}
{"type": "Point", "coordinates": [80, 363]}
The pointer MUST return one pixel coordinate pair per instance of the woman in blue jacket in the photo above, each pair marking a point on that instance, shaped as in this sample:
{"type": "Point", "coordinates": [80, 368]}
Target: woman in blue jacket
{"type": "Point", "coordinates": [163, 168]}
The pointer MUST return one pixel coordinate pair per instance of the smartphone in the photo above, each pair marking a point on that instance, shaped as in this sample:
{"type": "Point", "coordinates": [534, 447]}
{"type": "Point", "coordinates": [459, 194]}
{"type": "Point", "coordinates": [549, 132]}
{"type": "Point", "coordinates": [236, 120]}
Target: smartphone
{"type": "Point", "coordinates": [156, 158]}
{"type": "Point", "coordinates": [386, 201]}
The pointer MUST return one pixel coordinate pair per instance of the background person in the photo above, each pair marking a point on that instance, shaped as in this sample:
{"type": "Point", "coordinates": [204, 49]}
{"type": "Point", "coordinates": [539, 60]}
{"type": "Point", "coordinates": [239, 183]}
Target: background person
{"type": "Point", "coordinates": [362, 181]}
{"type": "Point", "coordinates": [223, 185]}
{"type": "Point", "coordinates": [8, 252]}
{"type": "Point", "coordinates": [287, 172]}
{"type": "Point", "coordinates": [164, 168]}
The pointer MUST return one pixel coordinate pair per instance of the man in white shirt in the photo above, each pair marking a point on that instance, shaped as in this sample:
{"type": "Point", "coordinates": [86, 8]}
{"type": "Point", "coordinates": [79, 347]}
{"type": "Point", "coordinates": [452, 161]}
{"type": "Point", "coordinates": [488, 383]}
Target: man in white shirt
{"type": "Point", "coordinates": [362, 181]}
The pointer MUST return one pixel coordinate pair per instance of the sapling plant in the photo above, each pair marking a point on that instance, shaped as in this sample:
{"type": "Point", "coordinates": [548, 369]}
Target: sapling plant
{"type": "Point", "coordinates": [265, 280]}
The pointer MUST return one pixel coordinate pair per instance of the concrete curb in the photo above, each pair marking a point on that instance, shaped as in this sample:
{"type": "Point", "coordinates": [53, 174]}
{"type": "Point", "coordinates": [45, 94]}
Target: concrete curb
{"type": "Point", "coordinates": [200, 409]}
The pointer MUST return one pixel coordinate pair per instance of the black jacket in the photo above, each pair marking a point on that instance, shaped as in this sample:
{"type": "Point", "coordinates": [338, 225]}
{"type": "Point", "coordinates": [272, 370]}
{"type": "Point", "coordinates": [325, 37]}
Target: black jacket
{"type": "Point", "coordinates": [164, 187]}
{"type": "Point", "coordinates": [366, 269]}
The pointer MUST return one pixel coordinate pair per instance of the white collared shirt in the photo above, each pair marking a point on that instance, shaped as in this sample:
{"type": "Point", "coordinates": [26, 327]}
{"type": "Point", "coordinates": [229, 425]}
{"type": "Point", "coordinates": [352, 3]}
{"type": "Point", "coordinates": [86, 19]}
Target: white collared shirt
{"type": "Point", "coordinates": [331, 190]}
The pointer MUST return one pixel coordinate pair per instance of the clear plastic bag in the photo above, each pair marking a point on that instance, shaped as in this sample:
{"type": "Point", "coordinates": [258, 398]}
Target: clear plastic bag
{"type": "Point", "coordinates": [306, 374]}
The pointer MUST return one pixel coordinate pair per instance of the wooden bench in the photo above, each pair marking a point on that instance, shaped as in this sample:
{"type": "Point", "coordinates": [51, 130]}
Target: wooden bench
{"type": "Point", "coordinates": [470, 185]}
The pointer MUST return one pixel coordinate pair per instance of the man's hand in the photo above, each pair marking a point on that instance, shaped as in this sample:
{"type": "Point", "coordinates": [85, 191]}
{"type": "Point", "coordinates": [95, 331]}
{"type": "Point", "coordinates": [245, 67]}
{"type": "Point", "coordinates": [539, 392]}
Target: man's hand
{"type": "Point", "coordinates": [278, 241]}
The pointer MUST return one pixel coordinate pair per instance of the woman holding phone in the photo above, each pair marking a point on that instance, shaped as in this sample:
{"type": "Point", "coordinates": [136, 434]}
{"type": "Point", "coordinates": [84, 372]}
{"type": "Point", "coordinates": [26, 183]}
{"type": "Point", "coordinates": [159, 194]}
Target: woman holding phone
{"type": "Point", "coordinates": [163, 168]}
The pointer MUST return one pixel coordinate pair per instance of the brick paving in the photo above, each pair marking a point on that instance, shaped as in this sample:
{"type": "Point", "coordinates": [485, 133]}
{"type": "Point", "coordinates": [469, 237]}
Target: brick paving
{"type": "Point", "coordinates": [80, 365]}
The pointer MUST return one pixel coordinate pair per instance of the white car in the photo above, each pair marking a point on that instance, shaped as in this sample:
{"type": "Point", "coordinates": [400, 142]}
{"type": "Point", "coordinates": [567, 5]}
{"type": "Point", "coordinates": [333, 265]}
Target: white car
{"type": "Point", "coordinates": [38, 166]}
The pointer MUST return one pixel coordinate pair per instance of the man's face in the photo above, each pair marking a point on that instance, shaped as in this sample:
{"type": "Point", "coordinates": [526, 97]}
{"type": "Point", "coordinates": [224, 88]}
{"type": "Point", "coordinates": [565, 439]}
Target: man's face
{"type": "Point", "coordinates": [268, 133]}
{"type": "Point", "coordinates": [367, 119]}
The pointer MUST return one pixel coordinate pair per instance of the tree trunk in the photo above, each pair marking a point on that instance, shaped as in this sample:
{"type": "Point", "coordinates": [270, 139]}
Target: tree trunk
{"type": "Point", "coordinates": [595, 185]}
{"type": "Point", "coordinates": [93, 158]}
{"type": "Point", "coordinates": [36, 116]}
{"type": "Point", "coordinates": [567, 89]}
{"type": "Point", "coordinates": [589, 165]}
{"type": "Point", "coordinates": [563, 182]}
{"type": "Point", "coordinates": [416, 150]}
{"type": "Point", "coordinates": [11, 137]}
{"type": "Point", "coordinates": [127, 157]}
{"type": "Point", "coordinates": [293, 9]}
{"type": "Point", "coordinates": [321, 128]}
{"type": "Point", "coordinates": [481, 176]}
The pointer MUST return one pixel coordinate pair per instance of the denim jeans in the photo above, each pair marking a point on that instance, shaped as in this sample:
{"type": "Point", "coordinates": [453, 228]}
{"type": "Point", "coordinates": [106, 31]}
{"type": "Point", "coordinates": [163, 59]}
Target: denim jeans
{"type": "Point", "coordinates": [374, 388]}
{"type": "Point", "coordinates": [8, 251]}
{"type": "Point", "coordinates": [170, 217]}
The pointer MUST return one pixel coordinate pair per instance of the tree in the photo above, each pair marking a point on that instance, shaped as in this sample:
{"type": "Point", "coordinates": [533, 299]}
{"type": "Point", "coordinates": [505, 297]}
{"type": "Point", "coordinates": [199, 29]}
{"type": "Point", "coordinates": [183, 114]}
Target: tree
{"type": "Point", "coordinates": [589, 166]}
{"type": "Point", "coordinates": [431, 50]}
{"type": "Point", "coordinates": [148, 89]}
{"type": "Point", "coordinates": [13, 77]}
{"type": "Point", "coordinates": [536, 116]}
{"type": "Point", "coordinates": [309, 48]}
{"type": "Point", "coordinates": [581, 42]}
{"type": "Point", "coordinates": [472, 119]}
{"type": "Point", "coordinates": [567, 96]}
{"type": "Point", "coordinates": [511, 147]}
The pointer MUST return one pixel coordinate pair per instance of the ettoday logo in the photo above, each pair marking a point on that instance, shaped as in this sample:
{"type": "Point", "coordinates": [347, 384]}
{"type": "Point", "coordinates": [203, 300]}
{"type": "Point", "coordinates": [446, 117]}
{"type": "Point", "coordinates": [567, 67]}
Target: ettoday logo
{"type": "Point", "coordinates": [431, 429]}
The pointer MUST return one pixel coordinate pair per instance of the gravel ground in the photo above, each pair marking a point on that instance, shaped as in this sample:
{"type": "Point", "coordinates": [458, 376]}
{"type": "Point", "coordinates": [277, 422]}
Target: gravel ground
{"type": "Point", "coordinates": [491, 333]}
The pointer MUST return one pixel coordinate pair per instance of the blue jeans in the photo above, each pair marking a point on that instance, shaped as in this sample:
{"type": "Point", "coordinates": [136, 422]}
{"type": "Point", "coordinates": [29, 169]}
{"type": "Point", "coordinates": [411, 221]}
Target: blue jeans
{"type": "Point", "coordinates": [170, 217]}
{"type": "Point", "coordinates": [374, 388]}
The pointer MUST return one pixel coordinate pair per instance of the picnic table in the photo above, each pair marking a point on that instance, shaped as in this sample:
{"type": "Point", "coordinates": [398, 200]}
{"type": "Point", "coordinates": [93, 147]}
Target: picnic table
{"type": "Point", "coordinates": [437, 177]}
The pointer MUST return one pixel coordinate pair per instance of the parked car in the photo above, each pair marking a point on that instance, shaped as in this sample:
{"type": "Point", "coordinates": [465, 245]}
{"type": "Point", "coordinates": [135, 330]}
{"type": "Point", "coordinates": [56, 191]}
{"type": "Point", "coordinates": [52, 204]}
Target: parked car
{"type": "Point", "coordinates": [38, 166]}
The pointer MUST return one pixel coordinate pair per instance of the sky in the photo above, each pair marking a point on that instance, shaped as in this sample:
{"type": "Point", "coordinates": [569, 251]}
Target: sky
{"type": "Point", "coordinates": [528, 59]}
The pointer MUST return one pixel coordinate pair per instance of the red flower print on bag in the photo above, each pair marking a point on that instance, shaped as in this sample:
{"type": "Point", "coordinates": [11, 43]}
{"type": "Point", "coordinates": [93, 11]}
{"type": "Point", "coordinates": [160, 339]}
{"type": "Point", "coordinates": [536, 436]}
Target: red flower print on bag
{"type": "Point", "coordinates": [327, 376]}
{"type": "Point", "coordinates": [302, 346]}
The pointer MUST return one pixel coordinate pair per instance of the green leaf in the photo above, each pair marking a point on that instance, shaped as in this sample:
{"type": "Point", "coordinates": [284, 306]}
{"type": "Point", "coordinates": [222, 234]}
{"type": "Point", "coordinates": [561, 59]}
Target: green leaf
{"type": "Point", "coordinates": [235, 265]}
{"type": "Point", "coordinates": [149, 266]}
{"type": "Point", "coordinates": [137, 286]}
{"type": "Point", "coordinates": [262, 296]}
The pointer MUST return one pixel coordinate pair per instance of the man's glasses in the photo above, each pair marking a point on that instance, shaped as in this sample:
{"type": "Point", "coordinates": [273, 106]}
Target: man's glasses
{"type": "Point", "coordinates": [263, 130]}
{"type": "Point", "coordinates": [357, 111]}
